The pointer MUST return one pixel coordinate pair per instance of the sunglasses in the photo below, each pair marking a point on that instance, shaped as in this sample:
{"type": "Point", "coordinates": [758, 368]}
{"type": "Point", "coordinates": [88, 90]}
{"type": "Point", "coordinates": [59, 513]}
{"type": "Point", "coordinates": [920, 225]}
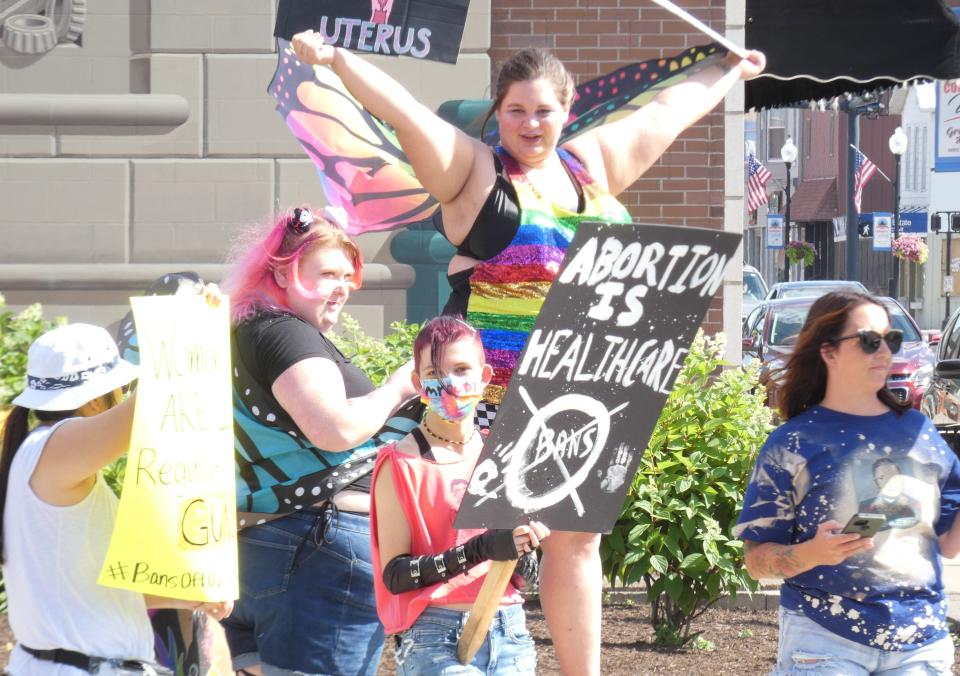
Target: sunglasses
{"type": "Point", "coordinates": [870, 340]}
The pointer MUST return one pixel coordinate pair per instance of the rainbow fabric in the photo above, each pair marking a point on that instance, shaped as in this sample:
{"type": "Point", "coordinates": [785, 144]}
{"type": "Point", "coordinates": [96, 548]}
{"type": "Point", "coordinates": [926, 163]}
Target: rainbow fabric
{"type": "Point", "coordinates": [508, 290]}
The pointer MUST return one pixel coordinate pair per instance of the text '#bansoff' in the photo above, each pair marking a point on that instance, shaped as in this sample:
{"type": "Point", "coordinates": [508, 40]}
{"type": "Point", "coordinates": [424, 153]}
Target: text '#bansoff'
{"type": "Point", "coordinates": [143, 573]}
{"type": "Point", "coordinates": [621, 277]}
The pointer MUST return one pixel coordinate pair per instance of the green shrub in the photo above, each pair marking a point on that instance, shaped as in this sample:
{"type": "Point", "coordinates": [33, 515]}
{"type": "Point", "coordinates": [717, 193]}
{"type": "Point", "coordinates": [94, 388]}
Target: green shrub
{"type": "Point", "coordinates": [377, 358]}
{"type": "Point", "coordinates": [113, 474]}
{"type": "Point", "coordinates": [674, 532]}
{"type": "Point", "coordinates": [17, 331]}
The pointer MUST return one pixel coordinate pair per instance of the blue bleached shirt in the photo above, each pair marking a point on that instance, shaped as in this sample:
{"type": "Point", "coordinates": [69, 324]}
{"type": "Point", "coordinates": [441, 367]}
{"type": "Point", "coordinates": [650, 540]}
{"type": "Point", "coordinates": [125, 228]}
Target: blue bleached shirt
{"type": "Point", "coordinates": [822, 465]}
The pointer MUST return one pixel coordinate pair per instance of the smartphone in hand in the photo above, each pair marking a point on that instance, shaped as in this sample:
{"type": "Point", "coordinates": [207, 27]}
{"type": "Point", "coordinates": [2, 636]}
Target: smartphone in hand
{"type": "Point", "coordinates": [865, 524]}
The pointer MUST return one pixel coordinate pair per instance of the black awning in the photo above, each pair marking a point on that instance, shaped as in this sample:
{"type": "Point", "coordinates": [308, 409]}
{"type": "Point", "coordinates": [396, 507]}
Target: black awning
{"type": "Point", "coordinates": [819, 49]}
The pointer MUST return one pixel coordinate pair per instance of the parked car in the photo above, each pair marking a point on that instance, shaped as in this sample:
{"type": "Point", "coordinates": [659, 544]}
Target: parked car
{"type": "Point", "coordinates": [941, 401]}
{"type": "Point", "coordinates": [754, 290]}
{"type": "Point", "coordinates": [813, 288]}
{"type": "Point", "coordinates": [770, 332]}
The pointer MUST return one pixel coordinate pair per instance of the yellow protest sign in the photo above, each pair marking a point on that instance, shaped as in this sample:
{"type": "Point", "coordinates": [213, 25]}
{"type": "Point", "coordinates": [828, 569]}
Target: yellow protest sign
{"type": "Point", "coordinates": [175, 533]}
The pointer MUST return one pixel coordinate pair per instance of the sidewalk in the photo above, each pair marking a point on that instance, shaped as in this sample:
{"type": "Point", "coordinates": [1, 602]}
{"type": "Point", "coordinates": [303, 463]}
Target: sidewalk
{"type": "Point", "coordinates": [768, 596]}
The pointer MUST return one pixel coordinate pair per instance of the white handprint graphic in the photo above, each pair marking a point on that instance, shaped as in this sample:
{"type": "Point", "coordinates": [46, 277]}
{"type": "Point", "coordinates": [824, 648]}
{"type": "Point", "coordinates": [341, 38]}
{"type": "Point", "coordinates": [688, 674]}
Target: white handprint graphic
{"type": "Point", "coordinates": [617, 471]}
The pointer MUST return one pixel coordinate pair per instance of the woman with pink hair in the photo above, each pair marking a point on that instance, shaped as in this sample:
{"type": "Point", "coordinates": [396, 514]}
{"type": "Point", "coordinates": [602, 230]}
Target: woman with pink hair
{"type": "Point", "coordinates": [306, 425]}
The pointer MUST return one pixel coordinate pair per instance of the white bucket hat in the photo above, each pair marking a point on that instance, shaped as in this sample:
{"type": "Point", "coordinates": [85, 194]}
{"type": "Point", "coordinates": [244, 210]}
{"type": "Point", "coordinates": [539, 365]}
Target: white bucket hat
{"type": "Point", "coordinates": [71, 365]}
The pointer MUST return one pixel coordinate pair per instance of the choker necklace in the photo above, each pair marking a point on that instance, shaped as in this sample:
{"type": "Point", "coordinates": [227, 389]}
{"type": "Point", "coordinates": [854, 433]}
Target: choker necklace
{"type": "Point", "coordinates": [449, 441]}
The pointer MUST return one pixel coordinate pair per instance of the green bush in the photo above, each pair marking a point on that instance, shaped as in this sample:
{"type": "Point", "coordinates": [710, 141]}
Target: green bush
{"type": "Point", "coordinates": [377, 358]}
{"type": "Point", "coordinates": [17, 331]}
{"type": "Point", "coordinates": [113, 474]}
{"type": "Point", "coordinates": [674, 532]}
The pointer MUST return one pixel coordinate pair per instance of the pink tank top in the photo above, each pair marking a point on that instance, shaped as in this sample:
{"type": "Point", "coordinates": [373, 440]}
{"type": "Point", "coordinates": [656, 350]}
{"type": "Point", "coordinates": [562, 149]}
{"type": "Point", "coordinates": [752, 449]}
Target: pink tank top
{"type": "Point", "coordinates": [430, 494]}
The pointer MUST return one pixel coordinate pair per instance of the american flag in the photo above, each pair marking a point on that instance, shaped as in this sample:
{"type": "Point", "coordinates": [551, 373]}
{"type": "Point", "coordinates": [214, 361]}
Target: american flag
{"type": "Point", "coordinates": [863, 171]}
{"type": "Point", "coordinates": [757, 177]}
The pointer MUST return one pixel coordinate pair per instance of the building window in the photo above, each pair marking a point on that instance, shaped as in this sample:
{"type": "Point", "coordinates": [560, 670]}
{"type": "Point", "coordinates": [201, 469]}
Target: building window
{"type": "Point", "coordinates": [913, 137]}
{"type": "Point", "coordinates": [922, 157]}
{"type": "Point", "coordinates": [776, 202]}
{"type": "Point", "coordinates": [807, 136]}
{"type": "Point", "coordinates": [776, 134]}
{"type": "Point", "coordinates": [906, 166]}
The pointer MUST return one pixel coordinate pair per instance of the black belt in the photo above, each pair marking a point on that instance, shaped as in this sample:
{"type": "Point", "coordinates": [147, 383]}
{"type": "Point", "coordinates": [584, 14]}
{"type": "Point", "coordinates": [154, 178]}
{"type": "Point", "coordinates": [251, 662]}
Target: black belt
{"type": "Point", "coordinates": [90, 664]}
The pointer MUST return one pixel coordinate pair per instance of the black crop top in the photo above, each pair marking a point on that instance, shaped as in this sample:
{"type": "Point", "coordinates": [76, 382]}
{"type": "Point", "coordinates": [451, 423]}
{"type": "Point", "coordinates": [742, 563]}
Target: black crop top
{"type": "Point", "coordinates": [500, 215]}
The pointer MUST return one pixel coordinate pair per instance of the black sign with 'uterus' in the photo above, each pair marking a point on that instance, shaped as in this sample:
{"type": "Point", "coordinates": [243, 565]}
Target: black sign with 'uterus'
{"type": "Point", "coordinates": [422, 29]}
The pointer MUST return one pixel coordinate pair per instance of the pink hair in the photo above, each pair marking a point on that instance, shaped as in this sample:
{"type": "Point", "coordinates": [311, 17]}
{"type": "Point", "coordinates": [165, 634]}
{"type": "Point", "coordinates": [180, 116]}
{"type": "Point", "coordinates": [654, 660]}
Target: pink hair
{"type": "Point", "coordinates": [250, 282]}
{"type": "Point", "coordinates": [437, 334]}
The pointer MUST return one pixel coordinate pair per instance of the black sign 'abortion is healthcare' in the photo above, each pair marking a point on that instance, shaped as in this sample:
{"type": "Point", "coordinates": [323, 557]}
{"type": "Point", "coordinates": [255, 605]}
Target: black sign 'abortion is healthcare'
{"type": "Point", "coordinates": [423, 29]}
{"type": "Point", "coordinates": [594, 376]}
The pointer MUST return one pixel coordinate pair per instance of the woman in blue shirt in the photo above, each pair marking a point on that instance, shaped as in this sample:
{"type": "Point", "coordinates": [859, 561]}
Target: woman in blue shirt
{"type": "Point", "coordinates": [851, 604]}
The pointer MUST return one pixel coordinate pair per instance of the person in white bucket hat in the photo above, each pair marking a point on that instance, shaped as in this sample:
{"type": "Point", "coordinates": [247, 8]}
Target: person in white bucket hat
{"type": "Point", "coordinates": [72, 365]}
{"type": "Point", "coordinates": [57, 513]}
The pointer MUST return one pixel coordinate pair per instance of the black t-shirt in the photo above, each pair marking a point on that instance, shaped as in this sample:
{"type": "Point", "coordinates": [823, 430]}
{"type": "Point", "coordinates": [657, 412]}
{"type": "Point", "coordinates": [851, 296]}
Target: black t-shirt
{"type": "Point", "coordinates": [271, 344]}
{"type": "Point", "coordinates": [268, 345]}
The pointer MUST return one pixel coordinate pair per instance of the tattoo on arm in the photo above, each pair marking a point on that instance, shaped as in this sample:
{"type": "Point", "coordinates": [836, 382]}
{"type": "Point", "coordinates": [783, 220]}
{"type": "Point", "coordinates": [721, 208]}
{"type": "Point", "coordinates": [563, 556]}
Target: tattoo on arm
{"type": "Point", "coordinates": [773, 560]}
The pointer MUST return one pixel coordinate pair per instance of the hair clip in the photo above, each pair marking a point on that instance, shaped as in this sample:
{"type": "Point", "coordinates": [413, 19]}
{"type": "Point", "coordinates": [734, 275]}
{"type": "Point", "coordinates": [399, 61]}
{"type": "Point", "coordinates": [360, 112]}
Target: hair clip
{"type": "Point", "coordinates": [301, 221]}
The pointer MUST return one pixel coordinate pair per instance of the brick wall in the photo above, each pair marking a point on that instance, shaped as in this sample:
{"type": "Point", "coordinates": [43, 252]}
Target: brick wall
{"type": "Point", "coordinates": [594, 37]}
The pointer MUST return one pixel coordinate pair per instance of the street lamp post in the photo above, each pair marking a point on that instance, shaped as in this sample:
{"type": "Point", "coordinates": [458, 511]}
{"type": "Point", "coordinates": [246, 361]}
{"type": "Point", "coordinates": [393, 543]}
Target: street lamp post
{"type": "Point", "coordinates": [788, 153]}
{"type": "Point", "coordinates": [898, 146]}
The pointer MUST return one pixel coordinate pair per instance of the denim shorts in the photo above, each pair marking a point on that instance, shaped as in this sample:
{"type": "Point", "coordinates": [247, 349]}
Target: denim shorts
{"type": "Point", "coordinates": [807, 649]}
{"type": "Point", "coordinates": [429, 647]}
{"type": "Point", "coordinates": [306, 596]}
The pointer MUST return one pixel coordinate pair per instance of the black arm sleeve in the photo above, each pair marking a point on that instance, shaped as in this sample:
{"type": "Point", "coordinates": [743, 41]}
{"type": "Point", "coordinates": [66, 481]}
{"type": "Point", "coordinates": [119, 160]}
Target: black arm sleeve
{"type": "Point", "coordinates": [405, 573]}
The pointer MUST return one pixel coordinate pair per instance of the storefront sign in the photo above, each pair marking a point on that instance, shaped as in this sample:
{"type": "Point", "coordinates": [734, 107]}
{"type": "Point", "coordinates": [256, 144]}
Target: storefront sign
{"type": "Point", "coordinates": [947, 151]}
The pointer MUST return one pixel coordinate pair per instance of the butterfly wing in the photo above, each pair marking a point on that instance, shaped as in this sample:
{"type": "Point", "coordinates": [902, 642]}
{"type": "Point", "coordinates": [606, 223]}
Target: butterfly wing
{"type": "Point", "coordinates": [360, 163]}
{"type": "Point", "coordinates": [615, 95]}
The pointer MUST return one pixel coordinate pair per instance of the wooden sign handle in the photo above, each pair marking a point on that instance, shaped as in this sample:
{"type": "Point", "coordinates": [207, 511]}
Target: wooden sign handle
{"type": "Point", "coordinates": [488, 600]}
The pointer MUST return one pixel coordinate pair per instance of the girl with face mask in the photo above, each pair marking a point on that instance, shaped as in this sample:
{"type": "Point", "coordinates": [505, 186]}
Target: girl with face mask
{"type": "Point", "coordinates": [428, 573]}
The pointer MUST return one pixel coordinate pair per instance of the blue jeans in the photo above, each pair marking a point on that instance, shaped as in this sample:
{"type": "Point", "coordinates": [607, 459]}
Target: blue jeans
{"type": "Point", "coordinates": [306, 596]}
{"type": "Point", "coordinates": [807, 649]}
{"type": "Point", "coordinates": [429, 647]}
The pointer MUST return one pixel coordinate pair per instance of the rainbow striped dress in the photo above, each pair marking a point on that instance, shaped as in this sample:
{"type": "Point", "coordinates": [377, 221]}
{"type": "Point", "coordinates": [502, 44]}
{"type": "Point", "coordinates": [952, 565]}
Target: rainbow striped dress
{"type": "Point", "coordinates": [508, 290]}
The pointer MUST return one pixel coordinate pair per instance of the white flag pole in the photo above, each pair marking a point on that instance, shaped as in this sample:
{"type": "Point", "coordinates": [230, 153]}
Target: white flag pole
{"type": "Point", "coordinates": [702, 27]}
{"type": "Point", "coordinates": [879, 171]}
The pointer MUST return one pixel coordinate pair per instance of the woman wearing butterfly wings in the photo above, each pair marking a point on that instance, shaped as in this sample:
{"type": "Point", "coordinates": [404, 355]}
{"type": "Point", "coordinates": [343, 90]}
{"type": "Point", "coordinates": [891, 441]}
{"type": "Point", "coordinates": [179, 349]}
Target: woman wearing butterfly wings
{"type": "Point", "coordinates": [509, 211]}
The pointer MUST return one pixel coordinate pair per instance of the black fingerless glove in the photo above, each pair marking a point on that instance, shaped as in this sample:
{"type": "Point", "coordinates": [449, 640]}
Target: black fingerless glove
{"type": "Point", "coordinates": [405, 573]}
{"type": "Point", "coordinates": [527, 574]}
{"type": "Point", "coordinates": [491, 545]}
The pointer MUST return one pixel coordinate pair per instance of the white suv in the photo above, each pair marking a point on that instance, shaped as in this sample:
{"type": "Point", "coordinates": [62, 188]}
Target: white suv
{"type": "Point", "coordinates": [754, 290]}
